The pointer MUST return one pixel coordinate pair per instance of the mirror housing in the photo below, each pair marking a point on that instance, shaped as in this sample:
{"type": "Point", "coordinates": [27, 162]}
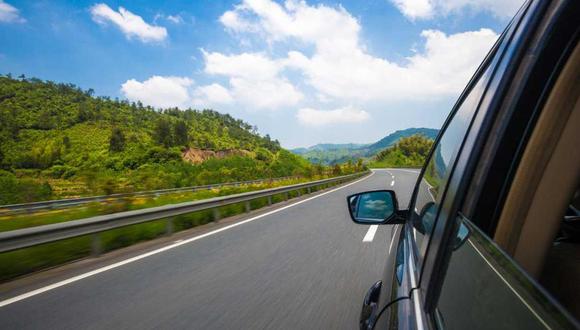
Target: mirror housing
{"type": "Point", "coordinates": [375, 207]}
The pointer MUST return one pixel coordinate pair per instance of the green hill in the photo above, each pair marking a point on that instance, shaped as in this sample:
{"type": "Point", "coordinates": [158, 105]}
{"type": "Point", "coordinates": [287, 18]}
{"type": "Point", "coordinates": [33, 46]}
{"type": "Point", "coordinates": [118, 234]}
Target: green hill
{"type": "Point", "coordinates": [57, 140]}
{"type": "Point", "coordinates": [330, 154]}
{"type": "Point", "coordinates": [409, 151]}
{"type": "Point", "coordinates": [391, 139]}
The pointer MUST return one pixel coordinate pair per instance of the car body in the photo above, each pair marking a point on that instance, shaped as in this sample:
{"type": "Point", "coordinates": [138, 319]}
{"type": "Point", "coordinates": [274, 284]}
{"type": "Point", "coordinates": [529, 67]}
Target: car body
{"type": "Point", "coordinates": [448, 265]}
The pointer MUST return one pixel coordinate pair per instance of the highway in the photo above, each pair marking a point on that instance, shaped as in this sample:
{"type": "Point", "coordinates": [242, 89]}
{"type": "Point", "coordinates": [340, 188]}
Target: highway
{"type": "Point", "coordinates": [301, 265]}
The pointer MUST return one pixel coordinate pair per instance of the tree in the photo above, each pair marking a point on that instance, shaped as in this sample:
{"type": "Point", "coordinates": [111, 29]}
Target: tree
{"type": "Point", "coordinates": [66, 142]}
{"type": "Point", "coordinates": [162, 133]}
{"type": "Point", "coordinates": [117, 140]}
{"type": "Point", "coordinates": [336, 170]}
{"type": "Point", "coordinates": [180, 133]}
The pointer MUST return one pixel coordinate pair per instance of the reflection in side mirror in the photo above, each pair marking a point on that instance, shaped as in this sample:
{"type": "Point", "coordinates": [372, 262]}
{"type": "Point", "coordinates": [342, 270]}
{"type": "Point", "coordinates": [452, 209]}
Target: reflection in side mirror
{"type": "Point", "coordinates": [373, 207]}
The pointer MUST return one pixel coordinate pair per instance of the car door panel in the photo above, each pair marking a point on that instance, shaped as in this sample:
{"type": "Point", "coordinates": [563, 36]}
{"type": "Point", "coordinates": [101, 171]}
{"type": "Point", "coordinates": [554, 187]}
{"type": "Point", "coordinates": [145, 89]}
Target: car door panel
{"type": "Point", "coordinates": [396, 285]}
{"type": "Point", "coordinates": [485, 289]}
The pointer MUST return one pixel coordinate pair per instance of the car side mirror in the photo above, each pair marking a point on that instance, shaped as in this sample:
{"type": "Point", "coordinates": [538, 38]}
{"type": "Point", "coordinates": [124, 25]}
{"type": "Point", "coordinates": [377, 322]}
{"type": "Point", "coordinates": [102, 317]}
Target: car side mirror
{"type": "Point", "coordinates": [375, 208]}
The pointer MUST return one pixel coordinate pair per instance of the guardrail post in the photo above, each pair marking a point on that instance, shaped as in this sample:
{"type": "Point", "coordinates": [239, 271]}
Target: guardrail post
{"type": "Point", "coordinates": [287, 195]}
{"type": "Point", "coordinates": [216, 214]}
{"type": "Point", "coordinates": [169, 226]}
{"type": "Point", "coordinates": [248, 206]}
{"type": "Point", "coordinates": [96, 244]}
{"type": "Point", "coordinates": [309, 190]}
{"type": "Point", "coordinates": [299, 192]}
{"type": "Point", "coordinates": [269, 200]}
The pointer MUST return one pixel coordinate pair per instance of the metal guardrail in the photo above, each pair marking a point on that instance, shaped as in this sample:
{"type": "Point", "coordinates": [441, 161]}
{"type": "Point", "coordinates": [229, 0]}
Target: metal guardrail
{"type": "Point", "coordinates": [60, 203]}
{"type": "Point", "coordinates": [22, 238]}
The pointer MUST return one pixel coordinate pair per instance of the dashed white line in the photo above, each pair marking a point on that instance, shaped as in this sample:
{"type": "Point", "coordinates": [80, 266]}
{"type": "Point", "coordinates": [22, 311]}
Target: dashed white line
{"type": "Point", "coordinates": [163, 249]}
{"type": "Point", "coordinates": [392, 183]}
{"type": "Point", "coordinates": [371, 233]}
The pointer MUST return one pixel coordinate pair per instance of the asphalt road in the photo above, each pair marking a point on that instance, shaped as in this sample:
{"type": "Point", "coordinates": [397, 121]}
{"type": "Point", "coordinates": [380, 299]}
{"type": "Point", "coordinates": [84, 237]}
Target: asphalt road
{"type": "Point", "coordinates": [305, 266]}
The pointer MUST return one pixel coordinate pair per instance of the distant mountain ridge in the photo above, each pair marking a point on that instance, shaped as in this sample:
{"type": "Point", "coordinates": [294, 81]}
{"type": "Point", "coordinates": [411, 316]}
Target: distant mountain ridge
{"type": "Point", "coordinates": [392, 138]}
{"type": "Point", "coordinates": [330, 146]}
{"type": "Point", "coordinates": [329, 153]}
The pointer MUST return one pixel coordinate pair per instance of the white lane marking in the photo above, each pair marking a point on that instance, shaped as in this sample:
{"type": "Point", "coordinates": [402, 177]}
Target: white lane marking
{"type": "Point", "coordinates": [371, 233]}
{"type": "Point", "coordinates": [392, 183]}
{"type": "Point", "coordinates": [402, 170]}
{"type": "Point", "coordinates": [163, 249]}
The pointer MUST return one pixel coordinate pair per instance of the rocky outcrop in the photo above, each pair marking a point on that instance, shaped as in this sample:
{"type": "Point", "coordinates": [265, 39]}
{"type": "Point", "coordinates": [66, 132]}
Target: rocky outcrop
{"type": "Point", "coordinates": [197, 156]}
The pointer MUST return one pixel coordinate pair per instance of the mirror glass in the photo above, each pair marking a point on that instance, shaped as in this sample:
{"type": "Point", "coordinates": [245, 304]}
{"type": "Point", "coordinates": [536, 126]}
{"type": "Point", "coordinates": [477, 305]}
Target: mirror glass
{"type": "Point", "coordinates": [372, 207]}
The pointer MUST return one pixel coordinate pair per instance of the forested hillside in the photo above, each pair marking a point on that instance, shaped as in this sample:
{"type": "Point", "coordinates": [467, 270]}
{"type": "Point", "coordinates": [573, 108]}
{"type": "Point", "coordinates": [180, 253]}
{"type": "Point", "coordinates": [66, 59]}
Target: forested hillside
{"type": "Point", "coordinates": [57, 140]}
{"type": "Point", "coordinates": [391, 139]}
{"type": "Point", "coordinates": [409, 151]}
{"type": "Point", "coordinates": [329, 154]}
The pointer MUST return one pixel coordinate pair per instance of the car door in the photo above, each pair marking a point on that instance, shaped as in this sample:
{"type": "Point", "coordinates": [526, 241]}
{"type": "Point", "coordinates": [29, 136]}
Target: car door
{"type": "Point", "coordinates": [434, 228]}
{"type": "Point", "coordinates": [466, 280]}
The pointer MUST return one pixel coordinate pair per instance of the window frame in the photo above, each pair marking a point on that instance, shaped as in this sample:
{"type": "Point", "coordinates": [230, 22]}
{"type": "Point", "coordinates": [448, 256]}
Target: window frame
{"type": "Point", "coordinates": [507, 52]}
{"type": "Point", "coordinates": [489, 64]}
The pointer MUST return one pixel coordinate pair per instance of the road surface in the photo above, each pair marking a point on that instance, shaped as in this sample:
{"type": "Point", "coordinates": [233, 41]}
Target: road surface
{"type": "Point", "coordinates": [304, 265]}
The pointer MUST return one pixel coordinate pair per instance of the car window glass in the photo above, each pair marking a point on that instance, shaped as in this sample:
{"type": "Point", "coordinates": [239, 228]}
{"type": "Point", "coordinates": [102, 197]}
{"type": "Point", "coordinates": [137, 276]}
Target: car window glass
{"type": "Point", "coordinates": [438, 167]}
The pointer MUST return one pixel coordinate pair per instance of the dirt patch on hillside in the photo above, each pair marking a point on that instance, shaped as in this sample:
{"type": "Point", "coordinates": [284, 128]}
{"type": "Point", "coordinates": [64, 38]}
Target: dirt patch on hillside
{"type": "Point", "coordinates": [197, 156]}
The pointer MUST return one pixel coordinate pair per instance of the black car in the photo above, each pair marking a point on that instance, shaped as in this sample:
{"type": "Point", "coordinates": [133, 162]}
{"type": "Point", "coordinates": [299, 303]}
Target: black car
{"type": "Point", "coordinates": [491, 239]}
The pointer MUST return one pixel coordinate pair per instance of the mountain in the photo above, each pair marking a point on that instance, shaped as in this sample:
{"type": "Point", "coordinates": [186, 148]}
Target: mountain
{"type": "Point", "coordinates": [57, 140]}
{"type": "Point", "coordinates": [392, 138]}
{"type": "Point", "coordinates": [328, 146]}
{"type": "Point", "coordinates": [329, 154]}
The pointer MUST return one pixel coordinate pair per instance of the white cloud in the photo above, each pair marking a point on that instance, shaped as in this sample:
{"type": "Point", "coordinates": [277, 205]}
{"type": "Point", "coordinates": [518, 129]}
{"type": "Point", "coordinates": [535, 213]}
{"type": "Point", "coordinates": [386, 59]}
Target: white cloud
{"type": "Point", "coordinates": [246, 65]}
{"type": "Point", "coordinates": [269, 94]}
{"type": "Point", "coordinates": [176, 19]}
{"type": "Point", "coordinates": [9, 13]}
{"type": "Point", "coordinates": [254, 80]}
{"type": "Point", "coordinates": [314, 117]}
{"type": "Point", "coordinates": [338, 68]}
{"type": "Point", "coordinates": [415, 8]}
{"type": "Point", "coordinates": [231, 20]}
{"type": "Point", "coordinates": [130, 24]}
{"type": "Point", "coordinates": [341, 68]}
{"type": "Point", "coordinates": [424, 9]}
{"type": "Point", "coordinates": [444, 68]}
{"type": "Point", "coordinates": [159, 92]}
{"type": "Point", "coordinates": [320, 24]}
{"type": "Point", "coordinates": [205, 96]}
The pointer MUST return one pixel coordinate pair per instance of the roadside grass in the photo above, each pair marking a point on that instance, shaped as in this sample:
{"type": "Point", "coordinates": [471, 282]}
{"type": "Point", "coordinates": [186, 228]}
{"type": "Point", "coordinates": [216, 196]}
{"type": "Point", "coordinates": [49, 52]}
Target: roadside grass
{"type": "Point", "coordinates": [25, 261]}
{"type": "Point", "coordinates": [388, 164]}
{"type": "Point", "coordinates": [39, 218]}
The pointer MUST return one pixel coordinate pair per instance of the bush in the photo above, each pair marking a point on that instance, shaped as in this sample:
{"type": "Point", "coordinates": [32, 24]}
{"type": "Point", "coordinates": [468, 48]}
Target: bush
{"type": "Point", "coordinates": [14, 190]}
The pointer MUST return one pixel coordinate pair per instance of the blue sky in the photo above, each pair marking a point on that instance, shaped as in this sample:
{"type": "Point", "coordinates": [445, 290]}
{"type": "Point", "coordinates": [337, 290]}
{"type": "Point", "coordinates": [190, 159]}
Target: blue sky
{"type": "Point", "coordinates": [303, 72]}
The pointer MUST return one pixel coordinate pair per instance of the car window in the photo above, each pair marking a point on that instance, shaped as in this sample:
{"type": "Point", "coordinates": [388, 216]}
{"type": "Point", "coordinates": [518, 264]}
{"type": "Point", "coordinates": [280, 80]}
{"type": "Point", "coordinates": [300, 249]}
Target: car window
{"type": "Point", "coordinates": [438, 167]}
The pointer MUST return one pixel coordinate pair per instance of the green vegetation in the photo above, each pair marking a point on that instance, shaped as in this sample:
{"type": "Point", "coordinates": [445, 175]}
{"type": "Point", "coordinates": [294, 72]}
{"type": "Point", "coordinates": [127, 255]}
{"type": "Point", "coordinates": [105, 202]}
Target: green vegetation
{"type": "Point", "coordinates": [58, 141]}
{"type": "Point", "coordinates": [24, 220]}
{"type": "Point", "coordinates": [330, 154]}
{"type": "Point", "coordinates": [24, 261]}
{"type": "Point", "coordinates": [407, 152]}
